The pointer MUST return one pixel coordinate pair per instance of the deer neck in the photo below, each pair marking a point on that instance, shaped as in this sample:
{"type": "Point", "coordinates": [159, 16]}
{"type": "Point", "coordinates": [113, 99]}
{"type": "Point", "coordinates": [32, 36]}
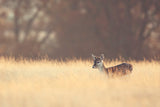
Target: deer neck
{"type": "Point", "coordinates": [101, 67]}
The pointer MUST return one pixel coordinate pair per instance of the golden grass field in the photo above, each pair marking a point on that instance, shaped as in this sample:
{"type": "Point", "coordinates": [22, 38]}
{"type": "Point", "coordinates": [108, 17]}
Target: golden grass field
{"type": "Point", "coordinates": [74, 83]}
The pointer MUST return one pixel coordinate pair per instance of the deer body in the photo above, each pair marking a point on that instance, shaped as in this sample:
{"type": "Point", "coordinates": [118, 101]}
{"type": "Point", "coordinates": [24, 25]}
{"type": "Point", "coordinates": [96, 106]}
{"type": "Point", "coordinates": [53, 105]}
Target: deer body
{"type": "Point", "coordinates": [121, 69]}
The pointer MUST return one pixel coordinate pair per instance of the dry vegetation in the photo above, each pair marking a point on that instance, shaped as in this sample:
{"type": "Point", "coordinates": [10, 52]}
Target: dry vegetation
{"type": "Point", "coordinates": [74, 83]}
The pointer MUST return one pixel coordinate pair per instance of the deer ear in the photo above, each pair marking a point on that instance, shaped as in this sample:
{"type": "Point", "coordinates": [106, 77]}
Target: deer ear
{"type": "Point", "coordinates": [93, 56]}
{"type": "Point", "coordinates": [102, 56]}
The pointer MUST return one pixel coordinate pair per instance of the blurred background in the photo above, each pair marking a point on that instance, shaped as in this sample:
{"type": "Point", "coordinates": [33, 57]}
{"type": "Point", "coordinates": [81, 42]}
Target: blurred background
{"type": "Point", "coordinates": [78, 28]}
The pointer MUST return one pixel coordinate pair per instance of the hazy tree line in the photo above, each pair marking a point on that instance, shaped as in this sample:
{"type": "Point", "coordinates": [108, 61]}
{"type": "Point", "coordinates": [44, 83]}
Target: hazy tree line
{"type": "Point", "coordinates": [77, 28]}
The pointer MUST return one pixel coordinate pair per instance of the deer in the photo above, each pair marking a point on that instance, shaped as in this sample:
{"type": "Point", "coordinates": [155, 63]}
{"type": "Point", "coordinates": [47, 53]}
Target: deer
{"type": "Point", "coordinates": [118, 70]}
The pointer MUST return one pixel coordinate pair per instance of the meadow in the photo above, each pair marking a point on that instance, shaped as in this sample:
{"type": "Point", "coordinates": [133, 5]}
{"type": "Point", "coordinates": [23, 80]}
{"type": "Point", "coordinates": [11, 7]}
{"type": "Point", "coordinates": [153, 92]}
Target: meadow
{"type": "Point", "coordinates": [73, 83]}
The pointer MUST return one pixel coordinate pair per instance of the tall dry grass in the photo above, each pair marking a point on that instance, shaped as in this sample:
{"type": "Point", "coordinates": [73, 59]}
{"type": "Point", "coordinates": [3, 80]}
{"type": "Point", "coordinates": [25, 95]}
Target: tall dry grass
{"type": "Point", "coordinates": [75, 84]}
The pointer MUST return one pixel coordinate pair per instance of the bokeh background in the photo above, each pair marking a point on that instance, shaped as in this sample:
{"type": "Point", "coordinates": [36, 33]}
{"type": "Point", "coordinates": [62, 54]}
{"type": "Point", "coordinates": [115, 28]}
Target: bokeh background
{"type": "Point", "coordinates": [77, 28]}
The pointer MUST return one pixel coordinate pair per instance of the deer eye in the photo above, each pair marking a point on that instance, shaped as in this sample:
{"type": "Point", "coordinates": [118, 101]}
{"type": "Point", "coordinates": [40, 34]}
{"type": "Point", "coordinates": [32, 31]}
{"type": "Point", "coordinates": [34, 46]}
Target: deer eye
{"type": "Point", "coordinates": [98, 62]}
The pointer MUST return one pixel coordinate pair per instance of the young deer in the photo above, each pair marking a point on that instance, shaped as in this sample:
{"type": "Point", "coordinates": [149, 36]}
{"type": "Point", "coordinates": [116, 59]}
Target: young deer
{"type": "Point", "coordinates": [121, 69]}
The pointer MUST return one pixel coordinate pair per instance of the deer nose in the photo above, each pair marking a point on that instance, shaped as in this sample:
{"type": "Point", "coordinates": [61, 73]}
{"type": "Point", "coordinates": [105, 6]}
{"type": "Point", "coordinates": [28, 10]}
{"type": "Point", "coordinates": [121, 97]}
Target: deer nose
{"type": "Point", "coordinates": [93, 66]}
